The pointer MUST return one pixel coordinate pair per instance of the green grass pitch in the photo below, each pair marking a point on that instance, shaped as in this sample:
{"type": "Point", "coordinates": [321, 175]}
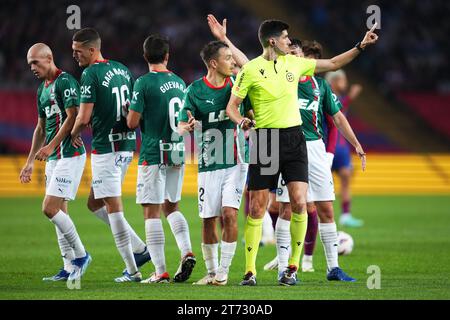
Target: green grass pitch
{"type": "Point", "coordinates": [408, 237]}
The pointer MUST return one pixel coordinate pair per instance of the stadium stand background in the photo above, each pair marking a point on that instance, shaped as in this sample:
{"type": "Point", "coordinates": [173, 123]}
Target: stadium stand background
{"type": "Point", "coordinates": [401, 117]}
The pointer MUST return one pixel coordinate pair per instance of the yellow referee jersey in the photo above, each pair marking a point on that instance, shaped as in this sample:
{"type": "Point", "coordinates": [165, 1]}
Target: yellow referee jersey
{"type": "Point", "coordinates": [272, 87]}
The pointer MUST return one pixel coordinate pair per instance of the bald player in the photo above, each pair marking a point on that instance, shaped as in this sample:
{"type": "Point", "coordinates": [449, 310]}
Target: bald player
{"type": "Point", "coordinates": [58, 98]}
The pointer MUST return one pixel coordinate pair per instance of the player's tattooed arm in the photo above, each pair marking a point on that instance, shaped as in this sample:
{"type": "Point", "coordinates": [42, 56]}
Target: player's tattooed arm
{"type": "Point", "coordinates": [235, 116]}
{"type": "Point", "coordinates": [82, 121]}
{"type": "Point", "coordinates": [37, 142]}
{"type": "Point", "coordinates": [344, 127]}
{"type": "Point", "coordinates": [345, 58]}
{"type": "Point", "coordinates": [67, 126]}
{"type": "Point", "coordinates": [219, 31]}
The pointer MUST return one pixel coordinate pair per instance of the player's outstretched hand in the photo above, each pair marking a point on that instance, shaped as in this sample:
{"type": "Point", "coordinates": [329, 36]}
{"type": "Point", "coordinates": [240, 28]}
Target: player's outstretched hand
{"type": "Point", "coordinates": [76, 141]}
{"type": "Point", "coordinates": [247, 124]}
{"type": "Point", "coordinates": [218, 30]}
{"type": "Point", "coordinates": [44, 153]}
{"type": "Point", "coordinates": [25, 173]}
{"type": "Point", "coordinates": [370, 38]}
{"type": "Point", "coordinates": [362, 155]}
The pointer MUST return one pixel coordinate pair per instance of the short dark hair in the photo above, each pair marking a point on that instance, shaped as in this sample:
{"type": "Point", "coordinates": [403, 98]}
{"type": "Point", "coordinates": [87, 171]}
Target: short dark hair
{"type": "Point", "coordinates": [312, 48]}
{"type": "Point", "coordinates": [270, 28]}
{"type": "Point", "coordinates": [296, 42]}
{"type": "Point", "coordinates": [211, 51]}
{"type": "Point", "coordinates": [156, 48]}
{"type": "Point", "coordinates": [87, 36]}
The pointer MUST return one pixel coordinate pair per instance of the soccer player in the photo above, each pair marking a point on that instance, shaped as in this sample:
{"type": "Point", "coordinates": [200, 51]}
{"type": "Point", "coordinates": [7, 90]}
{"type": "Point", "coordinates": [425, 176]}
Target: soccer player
{"type": "Point", "coordinates": [270, 81]}
{"type": "Point", "coordinates": [342, 159]}
{"type": "Point", "coordinates": [157, 99]}
{"type": "Point", "coordinates": [222, 162]}
{"type": "Point", "coordinates": [315, 100]}
{"type": "Point", "coordinates": [106, 88]}
{"type": "Point", "coordinates": [58, 98]}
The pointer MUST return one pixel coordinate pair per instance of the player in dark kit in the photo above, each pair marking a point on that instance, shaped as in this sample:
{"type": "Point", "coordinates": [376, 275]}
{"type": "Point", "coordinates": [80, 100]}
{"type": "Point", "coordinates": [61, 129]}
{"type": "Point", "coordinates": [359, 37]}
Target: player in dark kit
{"type": "Point", "coordinates": [106, 88]}
{"type": "Point", "coordinates": [157, 99]}
{"type": "Point", "coordinates": [58, 98]}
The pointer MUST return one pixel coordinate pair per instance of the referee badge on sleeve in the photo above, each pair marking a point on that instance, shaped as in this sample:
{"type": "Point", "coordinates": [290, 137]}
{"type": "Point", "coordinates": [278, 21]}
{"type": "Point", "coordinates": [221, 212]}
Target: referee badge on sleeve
{"type": "Point", "coordinates": [289, 76]}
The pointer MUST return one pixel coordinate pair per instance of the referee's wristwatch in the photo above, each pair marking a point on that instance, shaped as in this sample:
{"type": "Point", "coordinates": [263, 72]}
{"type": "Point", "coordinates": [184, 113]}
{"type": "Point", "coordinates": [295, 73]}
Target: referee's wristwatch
{"type": "Point", "coordinates": [358, 46]}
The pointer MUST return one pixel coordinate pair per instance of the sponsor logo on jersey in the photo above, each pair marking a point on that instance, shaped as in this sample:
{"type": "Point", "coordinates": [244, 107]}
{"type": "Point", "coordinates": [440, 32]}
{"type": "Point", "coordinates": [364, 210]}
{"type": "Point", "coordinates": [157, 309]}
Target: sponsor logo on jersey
{"type": "Point", "coordinates": [240, 80]}
{"type": "Point", "coordinates": [97, 182]}
{"type": "Point", "coordinates": [210, 101]}
{"type": "Point", "coordinates": [63, 180]}
{"type": "Point", "coordinates": [120, 136]}
{"type": "Point", "coordinates": [85, 92]}
{"type": "Point", "coordinates": [135, 95]}
{"type": "Point", "coordinates": [72, 92]}
{"type": "Point", "coordinates": [120, 160]}
{"type": "Point", "coordinates": [305, 105]}
{"type": "Point", "coordinates": [51, 110]}
{"type": "Point", "coordinates": [171, 146]}
{"type": "Point", "coordinates": [316, 92]}
{"type": "Point", "coordinates": [222, 116]}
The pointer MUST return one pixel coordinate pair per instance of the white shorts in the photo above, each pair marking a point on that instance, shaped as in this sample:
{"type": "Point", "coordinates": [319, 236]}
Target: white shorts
{"type": "Point", "coordinates": [108, 172]}
{"type": "Point", "coordinates": [63, 176]}
{"type": "Point", "coordinates": [157, 183]}
{"type": "Point", "coordinates": [220, 188]}
{"type": "Point", "coordinates": [320, 184]}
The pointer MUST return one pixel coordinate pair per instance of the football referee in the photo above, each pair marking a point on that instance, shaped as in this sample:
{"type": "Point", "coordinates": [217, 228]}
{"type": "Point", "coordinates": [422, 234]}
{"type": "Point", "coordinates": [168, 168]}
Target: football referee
{"type": "Point", "coordinates": [271, 82]}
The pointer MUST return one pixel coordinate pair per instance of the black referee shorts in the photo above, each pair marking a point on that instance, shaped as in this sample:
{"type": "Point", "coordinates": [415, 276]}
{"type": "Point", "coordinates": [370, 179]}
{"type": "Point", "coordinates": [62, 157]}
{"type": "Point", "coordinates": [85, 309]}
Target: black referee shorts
{"type": "Point", "coordinates": [291, 160]}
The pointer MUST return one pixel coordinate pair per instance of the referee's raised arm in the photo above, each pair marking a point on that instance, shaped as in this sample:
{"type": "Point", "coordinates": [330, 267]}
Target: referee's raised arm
{"type": "Point", "coordinates": [341, 60]}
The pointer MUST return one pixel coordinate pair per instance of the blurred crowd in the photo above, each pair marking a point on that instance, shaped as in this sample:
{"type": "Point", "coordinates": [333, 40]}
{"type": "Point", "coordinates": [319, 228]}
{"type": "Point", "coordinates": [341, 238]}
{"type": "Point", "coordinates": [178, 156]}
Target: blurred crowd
{"type": "Point", "coordinates": [123, 26]}
{"type": "Point", "coordinates": [411, 55]}
{"type": "Point", "coordinates": [413, 50]}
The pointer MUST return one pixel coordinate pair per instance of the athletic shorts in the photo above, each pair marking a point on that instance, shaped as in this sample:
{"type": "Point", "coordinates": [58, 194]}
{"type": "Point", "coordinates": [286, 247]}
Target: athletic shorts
{"type": "Point", "coordinates": [320, 185]}
{"type": "Point", "coordinates": [63, 176]}
{"type": "Point", "coordinates": [342, 157]}
{"type": "Point", "coordinates": [108, 172]}
{"type": "Point", "coordinates": [159, 182]}
{"type": "Point", "coordinates": [291, 160]}
{"type": "Point", "coordinates": [220, 188]}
